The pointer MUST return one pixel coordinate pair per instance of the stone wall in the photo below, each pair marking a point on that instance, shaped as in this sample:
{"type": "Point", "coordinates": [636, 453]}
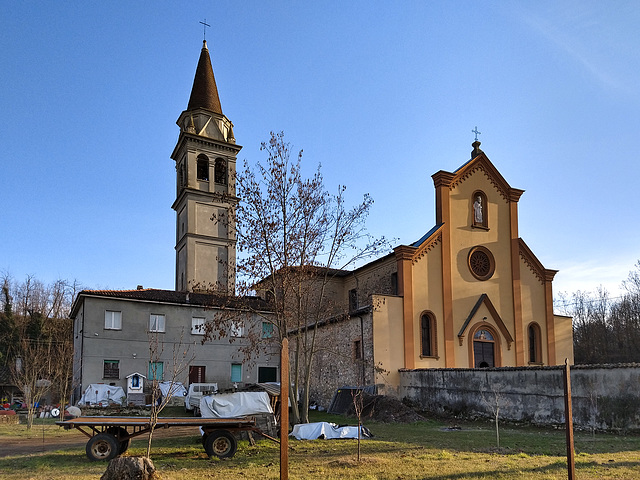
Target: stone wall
{"type": "Point", "coordinates": [336, 363]}
{"type": "Point", "coordinates": [604, 397]}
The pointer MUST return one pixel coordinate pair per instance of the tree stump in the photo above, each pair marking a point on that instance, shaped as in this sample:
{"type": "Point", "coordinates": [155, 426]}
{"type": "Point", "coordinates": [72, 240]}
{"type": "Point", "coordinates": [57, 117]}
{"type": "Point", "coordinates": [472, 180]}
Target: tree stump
{"type": "Point", "coordinates": [130, 468]}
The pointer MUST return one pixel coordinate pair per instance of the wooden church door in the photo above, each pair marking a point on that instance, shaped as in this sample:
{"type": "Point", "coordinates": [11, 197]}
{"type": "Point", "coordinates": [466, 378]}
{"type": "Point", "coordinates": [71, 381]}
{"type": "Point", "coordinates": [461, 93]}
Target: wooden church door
{"type": "Point", "coordinates": [483, 349]}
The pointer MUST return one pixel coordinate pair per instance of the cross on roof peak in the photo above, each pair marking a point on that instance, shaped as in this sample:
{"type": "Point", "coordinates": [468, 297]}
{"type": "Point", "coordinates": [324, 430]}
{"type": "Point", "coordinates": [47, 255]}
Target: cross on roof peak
{"type": "Point", "coordinates": [204, 29]}
{"type": "Point", "coordinates": [475, 130]}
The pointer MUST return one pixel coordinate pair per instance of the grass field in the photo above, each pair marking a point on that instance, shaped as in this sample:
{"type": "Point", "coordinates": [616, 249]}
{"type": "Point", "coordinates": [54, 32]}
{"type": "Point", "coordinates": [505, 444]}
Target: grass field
{"type": "Point", "coordinates": [424, 450]}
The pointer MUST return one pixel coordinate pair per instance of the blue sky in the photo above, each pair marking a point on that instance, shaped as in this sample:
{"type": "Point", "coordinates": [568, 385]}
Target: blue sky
{"type": "Point", "coordinates": [382, 94]}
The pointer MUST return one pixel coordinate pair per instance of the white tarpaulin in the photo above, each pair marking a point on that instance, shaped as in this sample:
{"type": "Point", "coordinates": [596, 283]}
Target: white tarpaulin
{"type": "Point", "coordinates": [231, 405]}
{"type": "Point", "coordinates": [101, 394]}
{"type": "Point", "coordinates": [311, 431]}
{"type": "Point", "coordinates": [172, 389]}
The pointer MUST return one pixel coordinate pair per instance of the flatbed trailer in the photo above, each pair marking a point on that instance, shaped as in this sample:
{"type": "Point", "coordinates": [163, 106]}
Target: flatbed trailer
{"type": "Point", "coordinates": [111, 436]}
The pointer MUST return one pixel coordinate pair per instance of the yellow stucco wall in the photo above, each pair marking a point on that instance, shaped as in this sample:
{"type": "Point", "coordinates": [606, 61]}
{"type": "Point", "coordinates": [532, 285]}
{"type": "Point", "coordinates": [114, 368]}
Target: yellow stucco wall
{"type": "Point", "coordinates": [533, 309]}
{"type": "Point", "coordinates": [465, 287]}
{"type": "Point", "coordinates": [564, 338]}
{"type": "Point", "coordinates": [427, 281]}
{"type": "Point", "coordinates": [387, 340]}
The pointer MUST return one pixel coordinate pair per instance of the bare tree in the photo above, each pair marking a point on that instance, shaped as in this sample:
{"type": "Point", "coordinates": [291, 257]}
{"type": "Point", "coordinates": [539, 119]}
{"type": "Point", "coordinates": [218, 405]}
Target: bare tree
{"type": "Point", "coordinates": [293, 238]}
{"type": "Point", "coordinates": [31, 371]}
{"type": "Point", "coordinates": [181, 357]}
{"type": "Point", "coordinates": [494, 400]}
{"type": "Point", "coordinates": [38, 338]}
{"type": "Point", "coordinates": [357, 397]}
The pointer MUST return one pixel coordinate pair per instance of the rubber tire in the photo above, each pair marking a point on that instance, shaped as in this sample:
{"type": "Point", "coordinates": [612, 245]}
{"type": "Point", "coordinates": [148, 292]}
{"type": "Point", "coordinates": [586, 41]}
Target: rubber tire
{"type": "Point", "coordinates": [221, 444]}
{"type": "Point", "coordinates": [103, 446]}
{"type": "Point", "coordinates": [119, 431]}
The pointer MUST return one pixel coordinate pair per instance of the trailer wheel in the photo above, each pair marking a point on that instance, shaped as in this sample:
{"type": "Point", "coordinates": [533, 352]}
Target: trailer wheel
{"type": "Point", "coordinates": [221, 444]}
{"type": "Point", "coordinates": [103, 446]}
{"type": "Point", "coordinates": [120, 433]}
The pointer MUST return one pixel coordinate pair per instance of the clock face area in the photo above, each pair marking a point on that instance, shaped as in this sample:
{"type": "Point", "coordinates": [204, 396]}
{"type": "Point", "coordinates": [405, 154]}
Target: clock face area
{"type": "Point", "coordinates": [481, 263]}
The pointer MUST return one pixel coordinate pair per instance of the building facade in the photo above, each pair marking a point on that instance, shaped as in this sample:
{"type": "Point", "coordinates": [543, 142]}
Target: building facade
{"type": "Point", "coordinates": [115, 332]}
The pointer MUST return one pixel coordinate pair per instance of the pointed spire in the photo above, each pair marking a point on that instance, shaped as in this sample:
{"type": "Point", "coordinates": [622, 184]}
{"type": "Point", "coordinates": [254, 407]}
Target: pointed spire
{"type": "Point", "coordinates": [204, 93]}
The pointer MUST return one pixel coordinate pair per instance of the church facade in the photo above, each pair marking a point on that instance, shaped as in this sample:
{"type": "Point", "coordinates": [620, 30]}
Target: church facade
{"type": "Point", "coordinates": [469, 294]}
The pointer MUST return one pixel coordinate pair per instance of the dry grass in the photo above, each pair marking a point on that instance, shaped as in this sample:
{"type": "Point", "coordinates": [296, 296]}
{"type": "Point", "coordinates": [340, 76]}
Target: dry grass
{"type": "Point", "coordinates": [420, 451]}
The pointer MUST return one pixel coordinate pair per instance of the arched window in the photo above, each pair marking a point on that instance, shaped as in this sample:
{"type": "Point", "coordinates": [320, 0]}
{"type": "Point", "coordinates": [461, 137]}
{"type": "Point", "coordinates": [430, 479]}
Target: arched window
{"type": "Point", "coordinates": [428, 335]}
{"type": "Point", "coordinates": [535, 345]}
{"type": "Point", "coordinates": [479, 210]}
{"type": "Point", "coordinates": [221, 171]}
{"type": "Point", "coordinates": [202, 170]}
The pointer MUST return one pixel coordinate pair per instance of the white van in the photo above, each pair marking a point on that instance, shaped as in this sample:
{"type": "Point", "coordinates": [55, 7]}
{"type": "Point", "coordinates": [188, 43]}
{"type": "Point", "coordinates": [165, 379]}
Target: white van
{"type": "Point", "coordinates": [195, 393]}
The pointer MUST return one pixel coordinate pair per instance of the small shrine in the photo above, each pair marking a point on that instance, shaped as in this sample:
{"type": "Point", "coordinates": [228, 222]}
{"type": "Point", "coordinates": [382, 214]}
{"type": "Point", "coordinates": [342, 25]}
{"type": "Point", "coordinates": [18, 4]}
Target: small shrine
{"type": "Point", "coordinates": [135, 389]}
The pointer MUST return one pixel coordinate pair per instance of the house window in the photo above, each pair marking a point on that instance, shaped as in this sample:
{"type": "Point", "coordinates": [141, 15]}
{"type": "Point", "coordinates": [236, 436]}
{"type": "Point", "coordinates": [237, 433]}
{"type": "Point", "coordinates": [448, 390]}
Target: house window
{"type": "Point", "coordinates": [535, 346]}
{"type": "Point", "coordinates": [112, 320]}
{"type": "Point", "coordinates": [203, 168]}
{"type": "Point", "coordinates": [156, 371]}
{"type": "Point", "coordinates": [237, 329]}
{"type": "Point", "coordinates": [111, 369]}
{"type": "Point", "coordinates": [357, 349]}
{"type": "Point", "coordinates": [428, 335]}
{"type": "Point", "coordinates": [267, 374]}
{"type": "Point", "coordinates": [353, 300]}
{"type": "Point", "coordinates": [394, 283]}
{"type": "Point", "coordinates": [197, 326]}
{"type": "Point", "coordinates": [267, 330]}
{"type": "Point", "coordinates": [479, 210]}
{"type": "Point", "coordinates": [236, 372]}
{"type": "Point", "coordinates": [156, 323]}
{"type": "Point", "coordinates": [220, 171]}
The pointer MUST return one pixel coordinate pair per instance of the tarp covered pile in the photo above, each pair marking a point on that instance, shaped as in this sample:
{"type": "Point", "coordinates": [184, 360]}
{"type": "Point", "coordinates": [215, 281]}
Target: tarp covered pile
{"type": "Point", "coordinates": [172, 389]}
{"type": "Point", "coordinates": [231, 405]}
{"type": "Point", "coordinates": [101, 394]}
{"type": "Point", "coordinates": [312, 431]}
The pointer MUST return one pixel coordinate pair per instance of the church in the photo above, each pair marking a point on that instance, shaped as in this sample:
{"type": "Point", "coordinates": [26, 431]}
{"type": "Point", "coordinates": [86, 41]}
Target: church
{"type": "Point", "coordinates": [469, 294]}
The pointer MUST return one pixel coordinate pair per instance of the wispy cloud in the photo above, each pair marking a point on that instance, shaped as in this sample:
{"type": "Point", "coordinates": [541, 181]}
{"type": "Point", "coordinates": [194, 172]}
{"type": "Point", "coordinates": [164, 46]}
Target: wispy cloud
{"type": "Point", "coordinates": [589, 276]}
{"type": "Point", "coordinates": [595, 35]}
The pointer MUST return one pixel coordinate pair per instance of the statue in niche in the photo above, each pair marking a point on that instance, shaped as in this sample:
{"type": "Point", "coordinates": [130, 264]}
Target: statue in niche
{"type": "Point", "coordinates": [477, 210]}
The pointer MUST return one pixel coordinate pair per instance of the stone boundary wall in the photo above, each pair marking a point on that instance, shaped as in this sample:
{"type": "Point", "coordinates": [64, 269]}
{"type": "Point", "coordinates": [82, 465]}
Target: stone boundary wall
{"type": "Point", "coordinates": [605, 397]}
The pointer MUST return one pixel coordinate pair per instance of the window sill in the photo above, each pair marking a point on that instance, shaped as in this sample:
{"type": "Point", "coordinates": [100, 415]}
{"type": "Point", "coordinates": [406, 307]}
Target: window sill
{"type": "Point", "coordinates": [480, 227]}
{"type": "Point", "coordinates": [536, 364]}
{"type": "Point", "coordinates": [430, 357]}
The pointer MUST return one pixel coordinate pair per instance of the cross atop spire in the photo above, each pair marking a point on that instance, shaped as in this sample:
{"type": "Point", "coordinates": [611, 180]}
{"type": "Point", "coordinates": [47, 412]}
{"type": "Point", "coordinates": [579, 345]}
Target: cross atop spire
{"type": "Point", "coordinates": [475, 130]}
{"type": "Point", "coordinates": [204, 29]}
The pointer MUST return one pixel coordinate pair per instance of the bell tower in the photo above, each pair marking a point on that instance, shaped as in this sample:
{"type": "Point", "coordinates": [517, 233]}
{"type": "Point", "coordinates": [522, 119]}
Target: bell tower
{"type": "Point", "coordinates": [205, 157]}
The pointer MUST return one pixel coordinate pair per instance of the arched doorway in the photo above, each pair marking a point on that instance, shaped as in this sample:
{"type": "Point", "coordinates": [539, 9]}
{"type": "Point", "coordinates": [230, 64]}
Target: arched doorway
{"type": "Point", "coordinates": [484, 355]}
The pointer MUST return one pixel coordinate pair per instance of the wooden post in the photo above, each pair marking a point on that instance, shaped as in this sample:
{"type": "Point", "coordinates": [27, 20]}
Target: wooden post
{"type": "Point", "coordinates": [568, 421]}
{"type": "Point", "coordinates": [284, 410]}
